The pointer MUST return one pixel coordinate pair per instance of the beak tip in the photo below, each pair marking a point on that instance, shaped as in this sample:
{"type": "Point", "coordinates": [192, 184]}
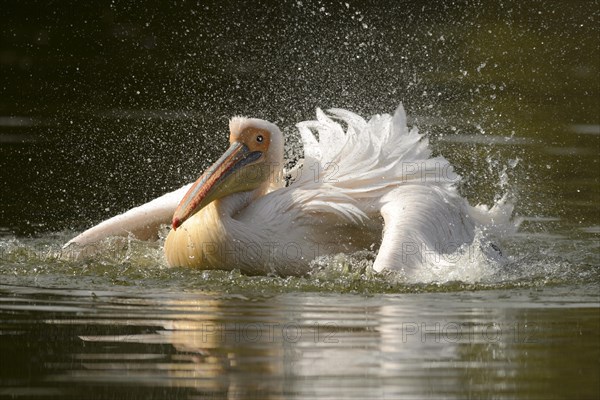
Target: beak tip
{"type": "Point", "coordinates": [176, 223]}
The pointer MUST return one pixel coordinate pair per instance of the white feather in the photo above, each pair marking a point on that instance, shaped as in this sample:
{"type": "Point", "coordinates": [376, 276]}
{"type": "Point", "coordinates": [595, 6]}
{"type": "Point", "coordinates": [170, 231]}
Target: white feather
{"type": "Point", "coordinates": [142, 222]}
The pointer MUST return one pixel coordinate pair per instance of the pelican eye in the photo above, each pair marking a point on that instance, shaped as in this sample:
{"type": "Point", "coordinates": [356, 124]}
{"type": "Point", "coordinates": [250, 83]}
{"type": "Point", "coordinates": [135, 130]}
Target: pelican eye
{"type": "Point", "coordinates": [259, 138]}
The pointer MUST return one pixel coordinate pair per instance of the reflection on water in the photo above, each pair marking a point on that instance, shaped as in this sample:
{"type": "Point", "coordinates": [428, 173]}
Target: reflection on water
{"type": "Point", "coordinates": [533, 343]}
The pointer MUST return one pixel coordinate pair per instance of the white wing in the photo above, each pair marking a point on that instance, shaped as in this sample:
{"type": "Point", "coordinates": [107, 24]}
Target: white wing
{"type": "Point", "coordinates": [423, 224]}
{"type": "Point", "coordinates": [380, 167]}
{"type": "Point", "coordinates": [143, 222]}
{"type": "Point", "coordinates": [370, 158]}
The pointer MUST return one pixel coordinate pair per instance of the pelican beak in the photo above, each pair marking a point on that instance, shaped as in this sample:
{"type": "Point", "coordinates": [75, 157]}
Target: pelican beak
{"type": "Point", "coordinates": [239, 169]}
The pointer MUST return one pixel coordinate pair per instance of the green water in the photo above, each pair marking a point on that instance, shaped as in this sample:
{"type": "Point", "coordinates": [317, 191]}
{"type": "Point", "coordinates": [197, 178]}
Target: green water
{"type": "Point", "coordinates": [140, 343]}
{"type": "Point", "coordinates": [105, 106]}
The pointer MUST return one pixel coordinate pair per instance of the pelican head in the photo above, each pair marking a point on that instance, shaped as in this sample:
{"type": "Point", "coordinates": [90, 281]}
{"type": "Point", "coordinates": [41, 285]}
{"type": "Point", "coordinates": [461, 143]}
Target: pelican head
{"type": "Point", "coordinates": [254, 157]}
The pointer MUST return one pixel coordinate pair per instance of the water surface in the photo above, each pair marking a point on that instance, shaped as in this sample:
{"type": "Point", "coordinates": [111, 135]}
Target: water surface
{"type": "Point", "coordinates": [105, 106]}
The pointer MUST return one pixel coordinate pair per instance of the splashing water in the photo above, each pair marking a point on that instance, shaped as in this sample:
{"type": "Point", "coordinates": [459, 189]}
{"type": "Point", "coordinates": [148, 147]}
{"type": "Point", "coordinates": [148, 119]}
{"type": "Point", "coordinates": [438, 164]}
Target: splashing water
{"type": "Point", "coordinates": [497, 257]}
{"type": "Point", "coordinates": [524, 263]}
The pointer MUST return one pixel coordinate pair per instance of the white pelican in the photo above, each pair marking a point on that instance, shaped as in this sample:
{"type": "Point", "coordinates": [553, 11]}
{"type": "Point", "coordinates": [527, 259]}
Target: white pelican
{"type": "Point", "coordinates": [373, 186]}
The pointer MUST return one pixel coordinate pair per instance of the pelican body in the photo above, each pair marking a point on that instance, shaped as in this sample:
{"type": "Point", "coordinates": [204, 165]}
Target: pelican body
{"type": "Point", "coordinates": [372, 186]}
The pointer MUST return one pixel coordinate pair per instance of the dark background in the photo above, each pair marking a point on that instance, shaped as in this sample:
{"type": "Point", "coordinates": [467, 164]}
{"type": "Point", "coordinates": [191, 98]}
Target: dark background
{"type": "Point", "coordinates": [106, 105]}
